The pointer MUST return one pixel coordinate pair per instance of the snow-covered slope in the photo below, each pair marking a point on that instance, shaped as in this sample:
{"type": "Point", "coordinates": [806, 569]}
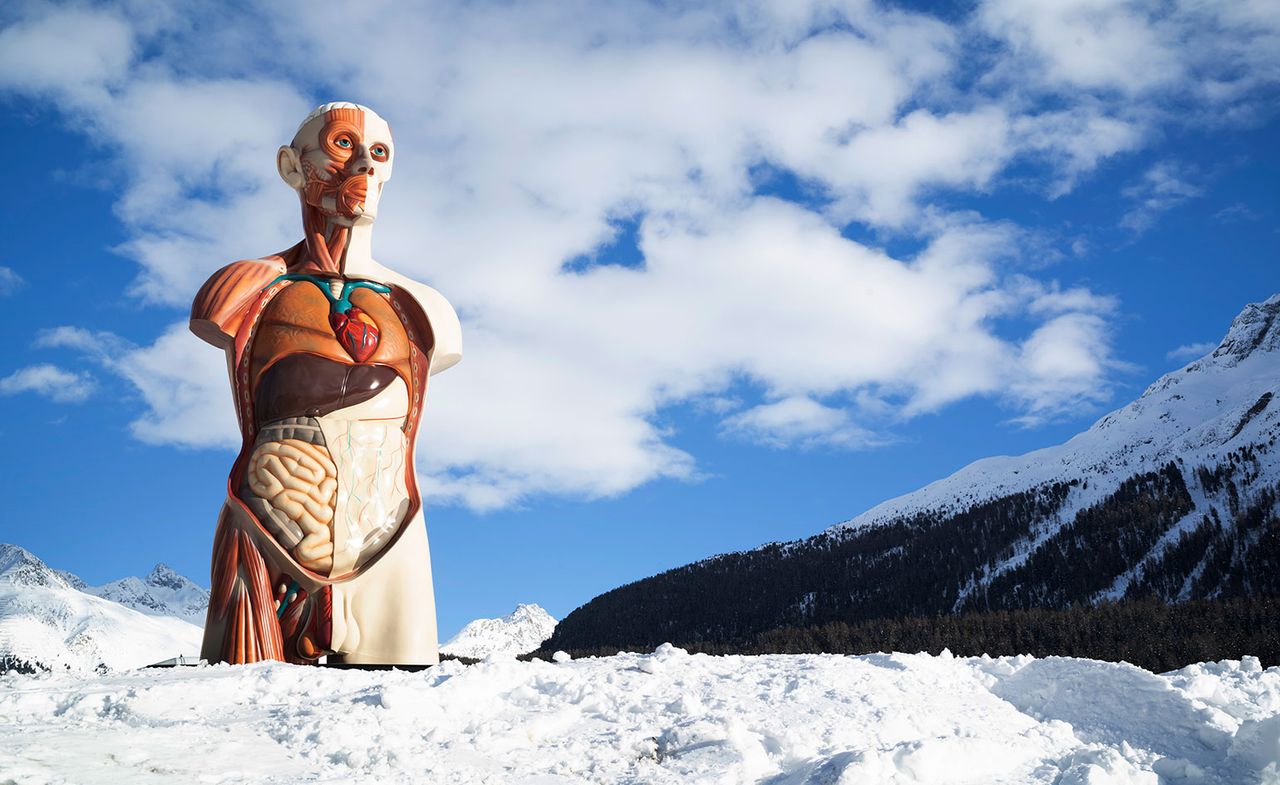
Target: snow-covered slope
{"type": "Point", "coordinates": [1196, 415]}
{"type": "Point", "coordinates": [162, 593]}
{"type": "Point", "coordinates": [519, 632]}
{"type": "Point", "coordinates": [665, 718]}
{"type": "Point", "coordinates": [47, 623]}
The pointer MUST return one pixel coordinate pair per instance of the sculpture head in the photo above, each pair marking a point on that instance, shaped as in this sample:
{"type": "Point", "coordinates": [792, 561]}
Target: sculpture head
{"type": "Point", "coordinates": [338, 162]}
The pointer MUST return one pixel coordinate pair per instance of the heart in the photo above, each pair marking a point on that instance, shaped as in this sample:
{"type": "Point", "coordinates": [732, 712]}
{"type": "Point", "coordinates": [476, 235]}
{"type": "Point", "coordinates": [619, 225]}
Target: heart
{"type": "Point", "coordinates": [356, 332]}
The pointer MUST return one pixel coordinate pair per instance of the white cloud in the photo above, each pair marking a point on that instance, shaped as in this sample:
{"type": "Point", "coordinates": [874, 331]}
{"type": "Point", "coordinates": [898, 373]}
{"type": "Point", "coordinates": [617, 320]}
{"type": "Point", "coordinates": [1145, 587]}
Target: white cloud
{"type": "Point", "coordinates": [49, 381]}
{"type": "Point", "coordinates": [1191, 351]}
{"type": "Point", "coordinates": [882, 171]}
{"type": "Point", "coordinates": [182, 381]}
{"type": "Point", "coordinates": [1213, 53]}
{"type": "Point", "coordinates": [10, 281]}
{"type": "Point", "coordinates": [1088, 43]}
{"type": "Point", "coordinates": [1063, 365]}
{"type": "Point", "coordinates": [188, 396]}
{"type": "Point", "coordinates": [1163, 187]}
{"type": "Point", "coordinates": [74, 54]}
{"type": "Point", "coordinates": [524, 130]}
{"type": "Point", "coordinates": [100, 346]}
{"type": "Point", "coordinates": [798, 421]}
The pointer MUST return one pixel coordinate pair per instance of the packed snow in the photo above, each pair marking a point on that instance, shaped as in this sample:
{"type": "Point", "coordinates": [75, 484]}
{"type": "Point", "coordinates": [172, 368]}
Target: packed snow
{"type": "Point", "coordinates": [519, 632]}
{"type": "Point", "coordinates": [663, 717]}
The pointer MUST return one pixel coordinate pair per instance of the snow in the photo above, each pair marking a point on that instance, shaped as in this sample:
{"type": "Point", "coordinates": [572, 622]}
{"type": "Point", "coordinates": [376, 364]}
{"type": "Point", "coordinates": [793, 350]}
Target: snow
{"type": "Point", "coordinates": [663, 717]}
{"type": "Point", "coordinates": [519, 632]}
{"type": "Point", "coordinates": [57, 627]}
{"type": "Point", "coordinates": [47, 621]}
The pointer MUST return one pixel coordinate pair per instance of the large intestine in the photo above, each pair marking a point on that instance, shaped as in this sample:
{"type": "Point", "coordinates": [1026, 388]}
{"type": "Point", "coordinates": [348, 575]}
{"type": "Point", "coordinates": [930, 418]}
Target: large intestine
{"type": "Point", "coordinates": [299, 482]}
{"type": "Point", "coordinates": [372, 495]}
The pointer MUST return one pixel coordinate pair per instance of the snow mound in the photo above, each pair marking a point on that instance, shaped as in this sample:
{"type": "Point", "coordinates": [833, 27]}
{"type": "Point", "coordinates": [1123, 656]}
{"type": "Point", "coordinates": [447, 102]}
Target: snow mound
{"type": "Point", "coordinates": [519, 632]}
{"type": "Point", "coordinates": [664, 718]}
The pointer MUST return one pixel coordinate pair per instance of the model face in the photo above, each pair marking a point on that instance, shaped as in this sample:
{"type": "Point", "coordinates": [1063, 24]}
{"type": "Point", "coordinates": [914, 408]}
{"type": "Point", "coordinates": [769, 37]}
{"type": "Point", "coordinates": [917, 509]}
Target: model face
{"type": "Point", "coordinates": [345, 156]}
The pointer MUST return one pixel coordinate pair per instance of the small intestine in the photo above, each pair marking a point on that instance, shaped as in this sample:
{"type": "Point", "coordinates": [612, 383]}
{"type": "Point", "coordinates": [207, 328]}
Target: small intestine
{"type": "Point", "coordinates": [299, 480]}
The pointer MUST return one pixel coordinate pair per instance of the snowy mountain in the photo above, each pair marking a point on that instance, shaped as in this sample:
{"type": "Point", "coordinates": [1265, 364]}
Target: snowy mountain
{"type": "Point", "coordinates": [48, 623]}
{"type": "Point", "coordinates": [519, 632]}
{"type": "Point", "coordinates": [1173, 496]}
{"type": "Point", "coordinates": [162, 593]}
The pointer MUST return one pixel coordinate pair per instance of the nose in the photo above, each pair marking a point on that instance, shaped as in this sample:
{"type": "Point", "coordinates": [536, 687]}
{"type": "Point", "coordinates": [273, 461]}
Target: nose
{"type": "Point", "coordinates": [363, 164]}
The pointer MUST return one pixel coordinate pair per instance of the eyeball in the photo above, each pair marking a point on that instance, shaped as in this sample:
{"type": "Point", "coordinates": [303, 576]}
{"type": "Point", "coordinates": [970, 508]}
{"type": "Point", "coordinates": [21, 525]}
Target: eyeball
{"type": "Point", "coordinates": [343, 142]}
{"type": "Point", "coordinates": [380, 152]}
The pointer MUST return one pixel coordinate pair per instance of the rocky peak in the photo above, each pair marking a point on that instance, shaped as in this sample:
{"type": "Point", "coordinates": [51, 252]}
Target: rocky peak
{"type": "Point", "coordinates": [1255, 329]}
{"type": "Point", "coordinates": [18, 565]}
{"type": "Point", "coordinates": [165, 576]}
{"type": "Point", "coordinates": [529, 611]}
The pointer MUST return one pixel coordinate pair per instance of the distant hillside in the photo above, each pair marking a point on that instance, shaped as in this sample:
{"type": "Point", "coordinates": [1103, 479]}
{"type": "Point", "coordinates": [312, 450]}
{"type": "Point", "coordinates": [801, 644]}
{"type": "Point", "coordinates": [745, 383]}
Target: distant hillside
{"type": "Point", "coordinates": [49, 621]}
{"type": "Point", "coordinates": [1172, 498]}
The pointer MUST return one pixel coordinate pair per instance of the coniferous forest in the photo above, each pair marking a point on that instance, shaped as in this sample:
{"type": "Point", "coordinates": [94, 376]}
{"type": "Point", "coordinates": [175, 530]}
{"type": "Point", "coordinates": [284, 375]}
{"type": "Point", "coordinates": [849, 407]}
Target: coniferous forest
{"type": "Point", "coordinates": [1149, 633]}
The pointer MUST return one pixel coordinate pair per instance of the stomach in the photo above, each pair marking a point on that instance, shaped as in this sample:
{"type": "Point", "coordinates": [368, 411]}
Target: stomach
{"type": "Point", "coordinates": [332, 489]}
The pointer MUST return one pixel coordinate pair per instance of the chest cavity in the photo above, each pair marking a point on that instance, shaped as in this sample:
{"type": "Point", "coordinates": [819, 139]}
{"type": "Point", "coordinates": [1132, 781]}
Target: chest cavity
{"type": "Point", "coordinates": [356, 331]}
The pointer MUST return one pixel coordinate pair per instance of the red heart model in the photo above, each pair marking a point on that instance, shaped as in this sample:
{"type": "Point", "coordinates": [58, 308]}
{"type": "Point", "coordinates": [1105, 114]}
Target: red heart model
{"type": "Point", "coordinates": [358, 337]}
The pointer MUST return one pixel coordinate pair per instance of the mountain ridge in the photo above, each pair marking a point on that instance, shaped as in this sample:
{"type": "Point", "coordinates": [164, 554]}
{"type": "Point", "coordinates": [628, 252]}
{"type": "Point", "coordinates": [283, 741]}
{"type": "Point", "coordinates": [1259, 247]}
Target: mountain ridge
{"type": "Point", "coordinates": [51, 620]}
{"type": "Point", "coordinates": [163, 592]}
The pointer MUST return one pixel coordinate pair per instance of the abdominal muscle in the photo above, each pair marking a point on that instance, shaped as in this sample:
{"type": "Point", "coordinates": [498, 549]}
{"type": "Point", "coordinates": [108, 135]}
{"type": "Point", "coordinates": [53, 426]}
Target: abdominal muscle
{"type": "Point", "coordinates": [332, 489]}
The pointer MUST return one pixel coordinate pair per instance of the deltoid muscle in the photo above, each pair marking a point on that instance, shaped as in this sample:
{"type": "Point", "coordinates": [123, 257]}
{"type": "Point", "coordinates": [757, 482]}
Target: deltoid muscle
{"type": "Point", "coordinates": [329, 356]}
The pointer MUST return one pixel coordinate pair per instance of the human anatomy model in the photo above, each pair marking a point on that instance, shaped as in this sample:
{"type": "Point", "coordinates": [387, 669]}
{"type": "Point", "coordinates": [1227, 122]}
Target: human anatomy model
{"type": "Point", "coordinates": [321, 549]}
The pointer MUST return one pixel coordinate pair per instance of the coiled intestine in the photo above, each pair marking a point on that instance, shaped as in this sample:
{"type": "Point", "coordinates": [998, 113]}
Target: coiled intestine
{"type": "Point", "coordinates": [299, 480]}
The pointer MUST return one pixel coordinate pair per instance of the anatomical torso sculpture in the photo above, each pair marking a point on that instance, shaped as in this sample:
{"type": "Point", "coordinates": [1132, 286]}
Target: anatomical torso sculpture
{"type": "Point", "coordinates": [321, 549]}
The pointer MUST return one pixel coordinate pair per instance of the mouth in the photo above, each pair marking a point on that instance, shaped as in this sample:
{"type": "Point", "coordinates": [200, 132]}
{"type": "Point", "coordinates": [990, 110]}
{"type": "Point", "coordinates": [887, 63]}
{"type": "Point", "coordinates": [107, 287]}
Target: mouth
{"type": "Point", "coordinates": [352, 194]}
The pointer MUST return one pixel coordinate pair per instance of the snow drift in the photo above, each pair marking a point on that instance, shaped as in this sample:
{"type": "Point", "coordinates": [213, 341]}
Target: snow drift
{"type": "Point", "coordinates": [659, 718]}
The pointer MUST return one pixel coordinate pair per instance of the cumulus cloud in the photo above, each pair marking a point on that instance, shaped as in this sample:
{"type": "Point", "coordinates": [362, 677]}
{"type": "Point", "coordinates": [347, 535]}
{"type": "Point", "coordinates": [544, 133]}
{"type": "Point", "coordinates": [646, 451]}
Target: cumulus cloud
{"type": "Point", "coordinates": [49, 381]}
{"type": "Point", "coordinates": [1214, 54]}
{"type": "Point", "coordinates": [527, 132]}
{"type": "Point", "coordinates": [1068, 361]}
{"type": "Point", "coordinates": [1089, 43]}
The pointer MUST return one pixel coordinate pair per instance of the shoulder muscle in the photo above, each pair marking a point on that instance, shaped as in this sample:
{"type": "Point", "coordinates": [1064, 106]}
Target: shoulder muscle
{"type": "Point", "coordinates": [219, 306]}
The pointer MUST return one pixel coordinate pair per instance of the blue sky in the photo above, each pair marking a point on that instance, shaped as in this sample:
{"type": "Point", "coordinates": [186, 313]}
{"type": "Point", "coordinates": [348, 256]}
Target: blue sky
{"type": "Point", "coordinates": [727, 273]}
